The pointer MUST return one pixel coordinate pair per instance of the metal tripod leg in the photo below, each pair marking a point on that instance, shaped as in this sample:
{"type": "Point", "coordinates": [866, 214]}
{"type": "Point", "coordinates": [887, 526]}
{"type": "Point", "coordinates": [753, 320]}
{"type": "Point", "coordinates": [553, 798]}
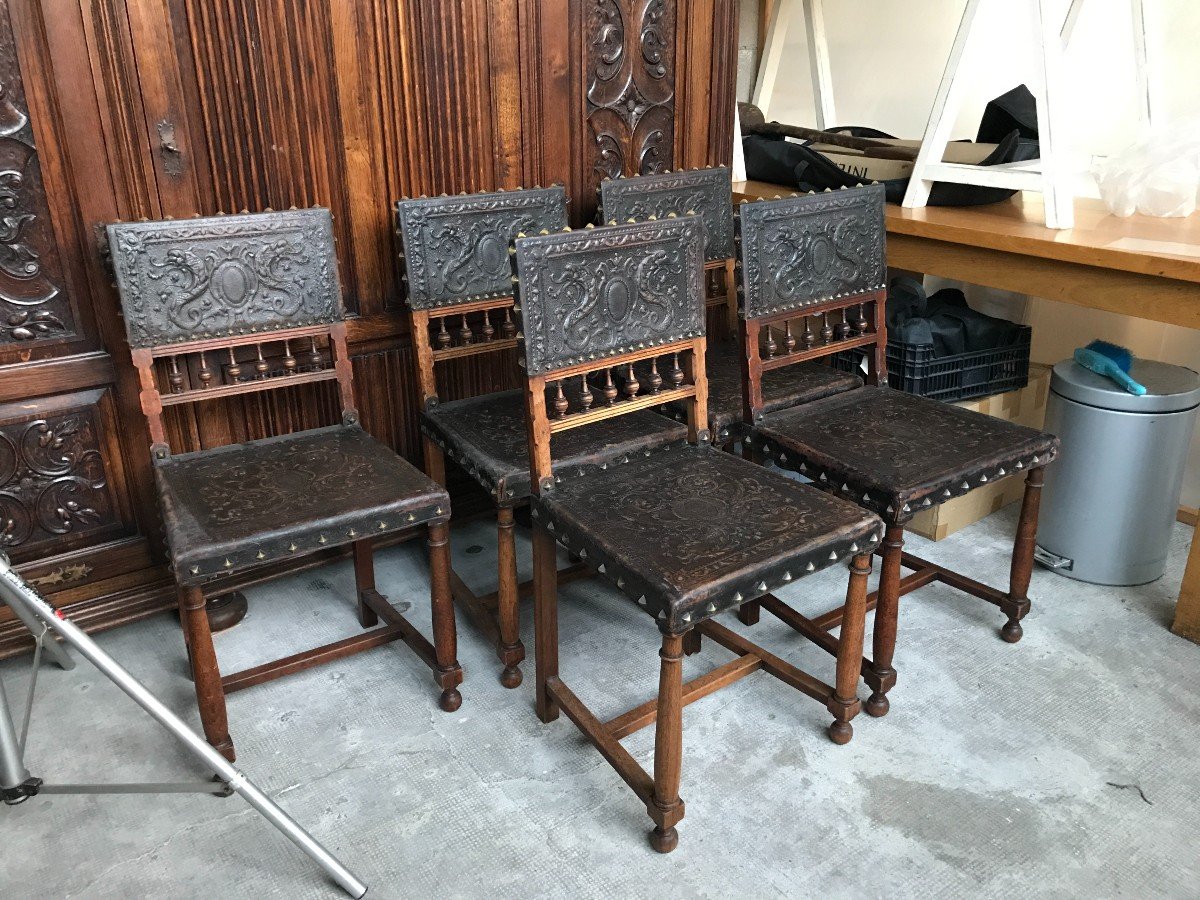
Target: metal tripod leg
{"type": "Point", "coordinates": [21, 598]}
{"type": "Point", "coordinates": [51, 646]}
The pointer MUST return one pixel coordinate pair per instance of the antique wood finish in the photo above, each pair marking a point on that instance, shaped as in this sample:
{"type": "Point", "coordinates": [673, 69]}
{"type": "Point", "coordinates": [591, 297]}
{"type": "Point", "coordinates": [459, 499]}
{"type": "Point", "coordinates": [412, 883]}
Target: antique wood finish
{"type": "Point", "coordinates": [685, 532]}
{"type": "Point", "coordinates": [118, 110]}
{"type": "Point", "coordinates": [803, 258]}
{"type": "Point", "coordinates": [73, 488]}
{"type": "Point", "coordinates": [205, 296]}
{"type": "Point", "coordinates": [707, 193]}
{"type": "Point", "coordinates": [455, 254]}
{"type": "Point", "coordinates": [1132, 266]}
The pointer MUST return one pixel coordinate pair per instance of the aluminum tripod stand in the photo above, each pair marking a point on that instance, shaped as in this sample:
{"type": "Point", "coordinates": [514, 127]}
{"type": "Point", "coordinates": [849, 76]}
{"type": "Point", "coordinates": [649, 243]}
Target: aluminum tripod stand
{"type": "Point", "coordinates": [18, 785]}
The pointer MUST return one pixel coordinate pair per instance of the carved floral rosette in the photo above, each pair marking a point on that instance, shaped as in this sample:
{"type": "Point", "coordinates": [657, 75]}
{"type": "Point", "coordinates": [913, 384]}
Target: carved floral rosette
{"type": "Point", "coordinates": [799, 251]}
{"type": "Point", "coordinates": [52, 479]}
{"type": "Point", "coordinates": [33, 303]}
{"type": "Point", "coordinates": [223, 276]}
{"type": "Point", "coordinates": [629, 60]}
{"type": "Point", "coordinates": [591, 294]}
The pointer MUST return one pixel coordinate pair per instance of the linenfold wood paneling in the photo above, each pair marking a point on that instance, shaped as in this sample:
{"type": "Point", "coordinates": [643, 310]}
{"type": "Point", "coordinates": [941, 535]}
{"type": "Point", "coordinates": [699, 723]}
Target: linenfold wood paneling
{"type": "Point", "coordinates": [150, 108]}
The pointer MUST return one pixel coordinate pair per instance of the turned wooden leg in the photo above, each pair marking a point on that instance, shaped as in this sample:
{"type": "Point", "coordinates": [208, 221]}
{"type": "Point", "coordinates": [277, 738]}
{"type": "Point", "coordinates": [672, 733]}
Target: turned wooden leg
{"type": "Point", "coordinates": [748, 613]}
{"type": "Point", "coordinates": [210, 695]}
{"type": "Point", "coordinates": [364, 580]}
{"type": "Point", "coordinates": [435, 462]}
{"type": "Point", "coordinates": [844, 704]}
{"type": "Point", "coordinates": [665, 807]}
{"type": "Point", "coordinates": [1022, 558]}
{"type": "Point", "coordinates": [887, 612]}
{"type": "Point", "coordinates": [449, 673]}
{"type": "Point", "coordinates": [510, 649]}
{"type": "Point", "coordinates": [545, 619]}
{"type": "Point", "coordinates": [692, 643]}
{"type": "Point", "coordinates": [180, 598]}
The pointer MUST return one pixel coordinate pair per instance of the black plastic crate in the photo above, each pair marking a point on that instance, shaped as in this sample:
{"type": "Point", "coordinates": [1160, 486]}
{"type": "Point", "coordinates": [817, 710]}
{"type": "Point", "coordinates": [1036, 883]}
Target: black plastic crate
{"type": "Point", "coordinates": [913, 369]}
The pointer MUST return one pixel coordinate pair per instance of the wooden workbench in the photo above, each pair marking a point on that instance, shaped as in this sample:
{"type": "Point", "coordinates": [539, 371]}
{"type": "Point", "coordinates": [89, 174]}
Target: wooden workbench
{"type": "Point", "coordinates": [1140, 266]}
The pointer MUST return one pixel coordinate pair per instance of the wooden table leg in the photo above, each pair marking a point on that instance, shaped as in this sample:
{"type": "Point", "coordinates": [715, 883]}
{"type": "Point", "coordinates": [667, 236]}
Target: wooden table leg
{"type": "Point", "coordinates": [1187, 610]}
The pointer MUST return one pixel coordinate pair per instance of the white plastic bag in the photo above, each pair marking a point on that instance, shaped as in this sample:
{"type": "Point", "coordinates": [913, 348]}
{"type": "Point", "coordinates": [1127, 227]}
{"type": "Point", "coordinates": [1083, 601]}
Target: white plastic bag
{"type": "Point", "coordinates": [1157, 176]}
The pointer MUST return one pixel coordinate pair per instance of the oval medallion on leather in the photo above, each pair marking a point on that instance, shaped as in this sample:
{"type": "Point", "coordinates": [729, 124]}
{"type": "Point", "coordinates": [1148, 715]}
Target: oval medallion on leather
{"type": "Point", "coordinates": [233, 283]}
{"type": "Point", "coordinates": [491, 253]}
{"type": "Point", "coordinates": [618, 298]}
{"type": "Point", "coordinates": [821, 254]}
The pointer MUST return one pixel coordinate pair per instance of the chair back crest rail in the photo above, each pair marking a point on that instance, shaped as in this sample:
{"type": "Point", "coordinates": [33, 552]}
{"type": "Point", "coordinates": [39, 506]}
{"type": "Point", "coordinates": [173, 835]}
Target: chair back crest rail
{"type": "Point", "coordinates": [811, 282]}
{"type": "Point", "coordinates": [599, 300]}
{"type": "Point", "coordinates": [707, 193]}
{"type": "Point", "coordinates": [230, 304]}
{"type": "Point", "coordinates": [454, 256]}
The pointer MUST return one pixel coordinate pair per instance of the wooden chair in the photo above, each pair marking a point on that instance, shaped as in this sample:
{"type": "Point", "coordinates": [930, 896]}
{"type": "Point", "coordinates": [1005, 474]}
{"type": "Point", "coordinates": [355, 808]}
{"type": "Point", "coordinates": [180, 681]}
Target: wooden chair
{"type": "Point", "coordinates": [455, 255]}
{"type": "Point", "coordinates": [685, 532]}
{"type": "Point", "coordinates": [708, 194]}
{"type": "Point", "coordinates": [814, 266]}
{"type": "Point", "coordinates": [232, 305]}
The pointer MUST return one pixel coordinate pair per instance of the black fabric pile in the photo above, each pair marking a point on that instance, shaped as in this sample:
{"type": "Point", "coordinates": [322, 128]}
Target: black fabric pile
{"type": "Point", "coordinates": [943, 320]}
{"type": "Point", "coordinates": [1009, 121]}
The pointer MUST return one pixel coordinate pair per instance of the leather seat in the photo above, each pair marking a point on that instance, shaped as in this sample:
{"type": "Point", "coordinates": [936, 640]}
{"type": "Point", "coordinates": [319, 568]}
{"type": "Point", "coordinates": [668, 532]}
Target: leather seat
{"type": "Point", "coordinates": [488, 436]}
{"type": "Point", "coordinates": [245, 505]}
{"type": "Point", "coordinates": [897, 454]}
{"type": "Point", "coordinates": [782, 388]}
{"type": "Point", "coordinates": [691, 531]}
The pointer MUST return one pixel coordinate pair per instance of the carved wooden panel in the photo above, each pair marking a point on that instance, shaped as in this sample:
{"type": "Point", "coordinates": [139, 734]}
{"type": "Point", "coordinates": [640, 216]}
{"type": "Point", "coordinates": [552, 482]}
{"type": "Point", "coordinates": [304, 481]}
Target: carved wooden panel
{"type": "Point", "coordinates": [225, 275]}
{"type": "Point", "coordinates": [185, 107]}
{"type": "Point", "coordinates": [34, 305]}
{"type": "Point", "coordinates": [55, 487]}
{"type": "Point", "coordinates": [629, 61]}
{"type": "Point", "coordinates": [589, 294]}
{"type": "Point", "coordinates": [802, 250]}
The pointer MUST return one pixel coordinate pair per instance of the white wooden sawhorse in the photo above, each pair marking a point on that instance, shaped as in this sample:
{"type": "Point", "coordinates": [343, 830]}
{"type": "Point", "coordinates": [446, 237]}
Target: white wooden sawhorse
{"type": "Point", "coordinates": [1048, 175]}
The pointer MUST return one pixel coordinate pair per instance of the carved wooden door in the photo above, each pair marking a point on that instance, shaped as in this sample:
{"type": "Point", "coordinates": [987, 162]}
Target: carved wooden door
{"type": "Point", "coordinates": [68, 508]}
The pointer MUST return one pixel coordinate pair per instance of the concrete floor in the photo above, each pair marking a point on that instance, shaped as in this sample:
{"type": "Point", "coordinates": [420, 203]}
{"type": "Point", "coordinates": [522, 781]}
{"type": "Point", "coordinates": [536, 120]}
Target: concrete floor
{"type": "Point", "coordinates": [1066, 765]}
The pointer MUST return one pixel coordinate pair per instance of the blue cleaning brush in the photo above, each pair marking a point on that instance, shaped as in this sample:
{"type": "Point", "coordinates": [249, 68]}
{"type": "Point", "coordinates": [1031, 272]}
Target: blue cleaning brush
{"type": "Point", "coordinates": [1112, 362]}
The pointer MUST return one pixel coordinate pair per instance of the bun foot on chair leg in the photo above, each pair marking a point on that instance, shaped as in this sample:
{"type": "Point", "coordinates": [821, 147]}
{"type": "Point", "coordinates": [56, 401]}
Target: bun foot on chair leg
{"type": "Point", "coordinates": [877, 705]}
{"type": "Point", "coordinates": [664, 840]}
{"type": "Point", "coordinates": [840, 732]}
{"type": "Point", "coordinates": [1012, 631]}
{"type": "Point", "coordinates": [511, 677]}
{"type": "Point", "coordinates": [450, 700]}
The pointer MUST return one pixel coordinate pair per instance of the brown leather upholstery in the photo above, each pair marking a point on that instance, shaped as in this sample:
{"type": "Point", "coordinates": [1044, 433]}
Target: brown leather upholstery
{"type": "Point", "coordinates": [488, 436]}
{"type": "Point", "coordinates": [249, 504]}
{"type": "Point", "coordinates": [897, 454]}
{"type": "Point", "coordinates": [782, 388]}
{"type": "Point", "coordinates": [692, 531]}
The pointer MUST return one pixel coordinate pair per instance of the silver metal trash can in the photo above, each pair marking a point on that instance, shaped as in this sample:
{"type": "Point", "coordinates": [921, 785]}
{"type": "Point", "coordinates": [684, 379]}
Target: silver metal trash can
{"type": "Point", "coordinates": [1110, 499]}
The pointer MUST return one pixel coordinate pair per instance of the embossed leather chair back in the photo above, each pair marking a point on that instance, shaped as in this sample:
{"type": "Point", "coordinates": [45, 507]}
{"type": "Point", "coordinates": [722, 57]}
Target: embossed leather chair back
{"type": "Point", "coordinates": [707, 193]}
{"type": "Point", "coordinates": [455, 256]}
{"type": "Point", "coordinates": [593, 300]}
{"type": "Point", "coordinates": [229, 305]}
{"type": "Point", "coordinates": [811, 281]}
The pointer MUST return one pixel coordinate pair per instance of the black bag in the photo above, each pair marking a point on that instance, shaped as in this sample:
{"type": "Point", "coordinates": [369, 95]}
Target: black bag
{"type": "Point", "coordinates": [943, 320]}
{"type": "Point", "coordinates": [780, 161]}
